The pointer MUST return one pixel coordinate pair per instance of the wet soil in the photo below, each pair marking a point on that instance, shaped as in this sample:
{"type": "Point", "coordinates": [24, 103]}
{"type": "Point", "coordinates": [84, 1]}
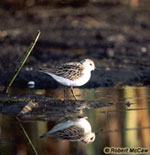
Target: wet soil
{"type": "Point", "coordinates": [115, 36]}
{"type": "Point", "coordinates": [32, 106]}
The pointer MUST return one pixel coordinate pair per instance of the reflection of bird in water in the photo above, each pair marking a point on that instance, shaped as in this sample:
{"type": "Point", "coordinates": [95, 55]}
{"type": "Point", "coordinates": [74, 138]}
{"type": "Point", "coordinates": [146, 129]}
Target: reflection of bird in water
{"type": "Point", "coordinates": [72, 73]}
{"type": "Point", "coordinates": [78, 129]}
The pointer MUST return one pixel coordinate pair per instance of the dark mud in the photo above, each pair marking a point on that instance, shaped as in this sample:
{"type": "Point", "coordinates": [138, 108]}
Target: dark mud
{"type": "Point", "coordinates": [115, 36]}
{"type": "Point", "coordinates": [44, 107]}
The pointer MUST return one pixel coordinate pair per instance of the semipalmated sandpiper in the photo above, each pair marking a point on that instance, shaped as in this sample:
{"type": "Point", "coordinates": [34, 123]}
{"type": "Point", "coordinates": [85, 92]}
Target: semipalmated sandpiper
{"type": "Point", "coordinates": [78, 129]}
{"type": "Point", "coordinates": [72, 73]}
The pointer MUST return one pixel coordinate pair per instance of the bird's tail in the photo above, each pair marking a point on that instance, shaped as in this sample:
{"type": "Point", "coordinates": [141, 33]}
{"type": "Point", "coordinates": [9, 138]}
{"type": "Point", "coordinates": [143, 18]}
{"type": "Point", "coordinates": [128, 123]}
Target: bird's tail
{"type": "Point", "coordinates": [41, 136]}
{"type": "Point", "coordinates": [44, 135]}
{"type": "Point", "coordinates": [45, 70]}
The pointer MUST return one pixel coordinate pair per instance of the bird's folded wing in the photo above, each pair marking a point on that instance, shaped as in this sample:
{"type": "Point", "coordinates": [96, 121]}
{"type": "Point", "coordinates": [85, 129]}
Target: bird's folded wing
{"type": "Point", "coordinates": [71, 71]}
{"type": "Point", "coordinates": [73, 133]}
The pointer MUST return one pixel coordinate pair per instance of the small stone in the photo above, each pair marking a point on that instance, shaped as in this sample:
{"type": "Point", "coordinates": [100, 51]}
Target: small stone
{"type": "Point", "coordinates": [110, 52]}
{"type": "Point", "coordinates": [31, 84]}
{"type": "Point", "coordinates": [143, 49]}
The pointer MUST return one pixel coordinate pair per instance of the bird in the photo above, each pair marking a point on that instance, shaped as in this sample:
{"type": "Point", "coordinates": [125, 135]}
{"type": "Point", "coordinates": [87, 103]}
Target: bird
{"type": "Point", "coordinates": [72, 73]}
{"type": "Point", "coordinates": [77, 129]}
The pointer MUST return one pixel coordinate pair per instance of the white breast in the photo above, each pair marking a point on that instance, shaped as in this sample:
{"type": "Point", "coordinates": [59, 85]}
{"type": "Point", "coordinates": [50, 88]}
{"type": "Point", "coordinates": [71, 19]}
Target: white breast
{"type": "Point", "coordinates": [83, 80]}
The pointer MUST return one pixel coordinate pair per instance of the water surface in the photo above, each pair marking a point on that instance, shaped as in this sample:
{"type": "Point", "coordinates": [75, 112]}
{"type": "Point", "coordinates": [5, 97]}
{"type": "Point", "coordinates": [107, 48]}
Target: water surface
{"type": "Point", "coordinates": [126, 123]}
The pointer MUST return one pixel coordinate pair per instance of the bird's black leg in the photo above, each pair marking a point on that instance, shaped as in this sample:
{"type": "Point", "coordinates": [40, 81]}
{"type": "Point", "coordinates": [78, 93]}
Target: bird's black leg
{"type": "Point", "coordinates": [73, 93]}
{"type": "Point", "coordinates": [65, 93]}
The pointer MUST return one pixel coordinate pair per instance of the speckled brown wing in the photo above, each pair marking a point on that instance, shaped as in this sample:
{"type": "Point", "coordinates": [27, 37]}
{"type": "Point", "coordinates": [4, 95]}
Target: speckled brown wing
{"type": "Point", "coordinates": [71, 71]}
{"type": "Point", "coordinates": [73, 133]}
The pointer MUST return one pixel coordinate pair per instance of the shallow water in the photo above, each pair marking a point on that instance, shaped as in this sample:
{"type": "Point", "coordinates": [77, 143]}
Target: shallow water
{"type": "Point", "coordinates": [126, 123]}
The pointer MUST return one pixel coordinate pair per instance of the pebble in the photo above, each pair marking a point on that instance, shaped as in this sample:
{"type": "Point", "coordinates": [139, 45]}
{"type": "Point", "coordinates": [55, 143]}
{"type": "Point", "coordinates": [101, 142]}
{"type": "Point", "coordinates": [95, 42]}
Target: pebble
{"type": "Point", "coordinates": [31, 84]}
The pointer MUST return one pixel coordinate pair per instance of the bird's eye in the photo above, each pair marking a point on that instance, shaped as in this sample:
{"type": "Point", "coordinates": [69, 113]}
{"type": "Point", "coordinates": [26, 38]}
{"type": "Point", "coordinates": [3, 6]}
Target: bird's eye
{"type": "Point", "coordinates": [91, 138]}
{"type": "Point", "coordinates": [90, 64]}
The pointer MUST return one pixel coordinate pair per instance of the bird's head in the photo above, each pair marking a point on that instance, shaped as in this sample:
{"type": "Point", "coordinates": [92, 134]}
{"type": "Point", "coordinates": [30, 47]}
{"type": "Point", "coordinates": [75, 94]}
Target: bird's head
{"type": "Point", "coordinates": [89, 64]}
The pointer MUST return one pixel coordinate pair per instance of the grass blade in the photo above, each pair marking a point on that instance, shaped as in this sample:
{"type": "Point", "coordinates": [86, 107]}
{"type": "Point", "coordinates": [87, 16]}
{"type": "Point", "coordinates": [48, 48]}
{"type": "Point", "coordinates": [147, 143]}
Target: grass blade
{"type": "Point", "coordinates": [22, 62]}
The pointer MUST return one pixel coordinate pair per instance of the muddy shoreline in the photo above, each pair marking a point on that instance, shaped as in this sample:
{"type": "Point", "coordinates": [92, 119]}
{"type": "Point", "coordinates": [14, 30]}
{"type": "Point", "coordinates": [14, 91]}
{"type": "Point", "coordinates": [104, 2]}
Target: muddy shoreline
{"type": "Point", "coordinates": [115, 37]}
